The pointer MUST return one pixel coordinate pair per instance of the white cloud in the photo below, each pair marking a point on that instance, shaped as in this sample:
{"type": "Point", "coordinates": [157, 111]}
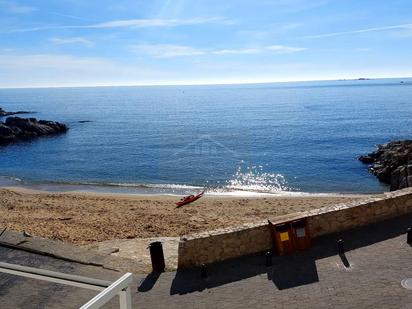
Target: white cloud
{"type": "Point", "coordinates": [71, 40]}
{"type": "Point", "coordinates": [14, 7]}
{"type": "Point", "coordinates": [40, 70]}
{"type": "Point", "coordinates": [167, 50]}
{"type": "Point", "coordinates": [285, 49]}
{"type": "Point", "coordinates": [344, 50]}
{"type": "Point", "coordinates": [376, 29]}
{"type": "Point", "coordinates": [67, 16]}
{"type": "Point", "coordinates": [47, 61]}
{"type": "Point", "coordinates": [52, 70]}
{"type": "Point", "coordinates": [171, 51]}
{"type": "Point", "coordinates": [133, 24]}
{"type": "Point", "coordinates": [141, 23]}
{"type": "Point", "coordinates": [237, 51]}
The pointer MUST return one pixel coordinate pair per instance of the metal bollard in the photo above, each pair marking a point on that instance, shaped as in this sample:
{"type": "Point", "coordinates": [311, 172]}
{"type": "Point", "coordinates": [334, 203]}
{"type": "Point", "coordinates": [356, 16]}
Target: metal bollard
{"type": "Point", "coordinates": [268, 258]}
{"type": "Point", "coordinates": [341, 247]}
{"type": "Point", "coordinates": [203, 271]}
{"type": "Point", "coordinates": [157, 257]}
{"type": "Point", "coordinates": [409, 236]}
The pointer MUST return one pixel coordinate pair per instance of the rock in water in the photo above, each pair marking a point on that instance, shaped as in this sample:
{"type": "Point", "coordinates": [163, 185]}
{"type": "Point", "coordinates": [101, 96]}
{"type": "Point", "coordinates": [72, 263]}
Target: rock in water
{"type": "Point", "coordinates": [16, 129]}
{"type": "Point", "coordinates": [392, 164]}
{"type": "Point", "coordinates": [4, 113]}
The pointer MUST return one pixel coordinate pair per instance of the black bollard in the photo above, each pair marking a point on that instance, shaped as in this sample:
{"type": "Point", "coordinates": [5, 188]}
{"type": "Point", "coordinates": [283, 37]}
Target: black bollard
{"type": "Point", "coordinates": [268, 258]}
{"type": "Point", "coordinates": [409, 236]}
{"type": "Point", "coordinates": [341, 247]}
{"type": "Point", "coordinates": [203, 271]}
{"type": "Point", "coordinates": [157, 257]}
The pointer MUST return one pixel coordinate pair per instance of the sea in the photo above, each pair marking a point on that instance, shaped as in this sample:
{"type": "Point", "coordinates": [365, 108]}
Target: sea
{"type": "Point", "coordinates": [292, 138]}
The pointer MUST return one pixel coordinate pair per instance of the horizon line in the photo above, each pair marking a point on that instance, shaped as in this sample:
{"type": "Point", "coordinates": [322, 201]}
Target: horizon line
{"type": "Point", "coordinates": [206, 83]}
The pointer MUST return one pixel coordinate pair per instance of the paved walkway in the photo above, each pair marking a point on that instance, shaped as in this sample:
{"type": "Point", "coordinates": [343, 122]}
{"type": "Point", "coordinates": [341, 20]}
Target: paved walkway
{"type": "Point", "coordinates": [378, 255]}
{"type": "Point", "coordinates": [137, 250]}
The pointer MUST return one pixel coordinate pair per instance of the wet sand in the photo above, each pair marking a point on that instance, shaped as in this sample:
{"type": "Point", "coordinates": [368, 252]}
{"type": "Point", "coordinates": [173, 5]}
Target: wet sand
{"type": "Point", "coordinates": [83, 218]}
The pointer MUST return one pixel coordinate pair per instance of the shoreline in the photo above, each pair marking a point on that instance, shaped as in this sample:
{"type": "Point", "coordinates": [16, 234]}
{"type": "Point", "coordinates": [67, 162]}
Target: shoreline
{"type": "Point", "coordinates": [140, 189]}
{"type": "Point", "coordinates": [208, 195]}
{"type": "Point", "coordinates": [85, 217]}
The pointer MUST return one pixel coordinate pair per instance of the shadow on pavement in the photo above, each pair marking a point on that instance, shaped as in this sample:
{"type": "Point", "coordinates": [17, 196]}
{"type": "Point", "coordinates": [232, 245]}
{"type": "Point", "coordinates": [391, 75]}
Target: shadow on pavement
{"type": "Point", "coordinates": [149, 282]}
{"type": "Point", "coordinates": [293, 270]}
{"type": "Point", "coordinates": [290, 270]}
{"type": "Point", "coordinates": [189, 280]}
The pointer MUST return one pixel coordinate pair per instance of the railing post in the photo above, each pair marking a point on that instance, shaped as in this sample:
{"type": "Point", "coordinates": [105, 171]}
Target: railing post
{"type": "Point", "coordinates": [125, 298]}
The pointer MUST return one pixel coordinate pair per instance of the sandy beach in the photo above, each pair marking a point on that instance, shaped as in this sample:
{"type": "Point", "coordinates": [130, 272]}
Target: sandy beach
{"type": "Point", "coordinates": [83, 218]}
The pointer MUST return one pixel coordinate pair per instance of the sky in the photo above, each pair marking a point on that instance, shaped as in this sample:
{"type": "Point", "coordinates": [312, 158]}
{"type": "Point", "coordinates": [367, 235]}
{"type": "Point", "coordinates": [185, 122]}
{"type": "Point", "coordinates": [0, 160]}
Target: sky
{"type": "Point", "coordinates": [100, 42]}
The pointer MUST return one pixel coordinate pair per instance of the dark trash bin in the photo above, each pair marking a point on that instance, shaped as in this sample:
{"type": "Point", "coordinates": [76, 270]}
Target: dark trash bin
{"type": "Point", "coordinates": [301, 234]}
{"type": "Point", "coordinates": [282, 237]}
{"type": "Point", "coordinates": [157, 257]}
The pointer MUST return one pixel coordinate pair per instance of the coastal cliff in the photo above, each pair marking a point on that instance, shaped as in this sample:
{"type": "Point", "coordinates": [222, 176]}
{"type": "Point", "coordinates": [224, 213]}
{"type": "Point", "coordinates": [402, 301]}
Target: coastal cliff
{"type": "Point", "coordinates": [392, 164]}
{"type": "Point", "coordinates": [16, 129]}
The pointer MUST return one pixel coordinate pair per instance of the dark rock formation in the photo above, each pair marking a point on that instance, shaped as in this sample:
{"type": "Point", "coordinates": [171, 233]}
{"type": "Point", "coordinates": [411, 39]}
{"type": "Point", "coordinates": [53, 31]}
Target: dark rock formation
{"type": "Point", "coordinates": [392, 164]}
{"type": "Point", "coordinates": [3, 113]}
{"type": "Point", "coordinates": [17, 129]}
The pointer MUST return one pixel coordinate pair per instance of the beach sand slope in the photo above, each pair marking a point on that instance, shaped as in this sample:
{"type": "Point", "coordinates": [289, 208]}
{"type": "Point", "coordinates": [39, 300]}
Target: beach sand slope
{"type": "Point", "coordinates": [84, 218]}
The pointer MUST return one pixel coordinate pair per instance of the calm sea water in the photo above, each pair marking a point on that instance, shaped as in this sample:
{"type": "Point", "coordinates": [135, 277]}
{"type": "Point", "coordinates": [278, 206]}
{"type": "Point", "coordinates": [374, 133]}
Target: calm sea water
{"type": "Point", "coordinates": [302, 137]}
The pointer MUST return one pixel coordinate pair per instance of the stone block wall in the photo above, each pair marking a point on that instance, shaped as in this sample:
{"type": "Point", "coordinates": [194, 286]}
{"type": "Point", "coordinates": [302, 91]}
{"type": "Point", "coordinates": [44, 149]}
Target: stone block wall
{"type": "Point", "coordinates": [223, 244]}
{"type": "Point", "coordinates": [219, 245]}
{"type": "Point", "coordinates": [342, 217]}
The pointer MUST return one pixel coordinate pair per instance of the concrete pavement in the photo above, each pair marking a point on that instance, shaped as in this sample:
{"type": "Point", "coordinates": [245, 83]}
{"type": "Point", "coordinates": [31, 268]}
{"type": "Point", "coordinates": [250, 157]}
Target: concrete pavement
{"type": "Point", "coordinates": [378, 255]}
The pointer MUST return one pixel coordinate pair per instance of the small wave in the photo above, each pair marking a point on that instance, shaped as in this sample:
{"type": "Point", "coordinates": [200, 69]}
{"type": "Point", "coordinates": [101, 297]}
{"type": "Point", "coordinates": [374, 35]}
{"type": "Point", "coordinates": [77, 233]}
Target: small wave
{"type": "Point", "coordinates": [176, 186]}
{"type": "Point", "coordinates": [256, 180]}
{"type": "Point", "coordinates": [9, 180]}
{"type": "Point", "coordinates": [125, 185]}
{"type": "Point", "coordinates": [246, 193]}
{"type": "Point", "coordinates": [247, 181]}
{"type": "Point", "coordinates": [254, 186]}
{"type": "Point", "coordinates": [13, 178]}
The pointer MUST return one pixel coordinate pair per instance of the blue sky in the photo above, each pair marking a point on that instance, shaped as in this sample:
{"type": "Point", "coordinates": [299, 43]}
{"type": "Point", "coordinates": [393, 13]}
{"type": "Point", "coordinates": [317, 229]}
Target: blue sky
{"type": "Point", "coordinates": [80, 43]}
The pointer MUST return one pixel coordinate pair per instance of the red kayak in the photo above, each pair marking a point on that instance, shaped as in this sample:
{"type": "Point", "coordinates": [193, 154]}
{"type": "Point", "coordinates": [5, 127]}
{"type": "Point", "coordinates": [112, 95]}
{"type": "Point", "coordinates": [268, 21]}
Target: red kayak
{"type": "Point", "coordinates": [189, 199]}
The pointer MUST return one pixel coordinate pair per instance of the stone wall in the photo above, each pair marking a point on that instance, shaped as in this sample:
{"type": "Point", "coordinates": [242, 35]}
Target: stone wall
{"type": "Point", "coordinates": [219, 245]}
{"type": "Point", "coordinates": [223, 244]}
{"type": "Point", "coordinates": [342, 217]}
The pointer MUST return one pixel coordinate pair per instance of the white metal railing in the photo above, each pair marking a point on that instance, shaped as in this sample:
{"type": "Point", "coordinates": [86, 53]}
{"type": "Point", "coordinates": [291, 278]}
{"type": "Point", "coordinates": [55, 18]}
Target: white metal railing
{"type": "Point", "coordinates": [107, 289]}
{"type": "Point", "coordinates": [119, 287]}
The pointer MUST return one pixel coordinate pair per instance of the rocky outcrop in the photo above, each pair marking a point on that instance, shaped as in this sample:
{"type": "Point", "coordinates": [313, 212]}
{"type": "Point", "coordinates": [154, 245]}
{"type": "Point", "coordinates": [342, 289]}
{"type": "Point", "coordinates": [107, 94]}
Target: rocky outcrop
{"type": "Point", "coordinates": [16, 129]}
{"type": "Point", "coordinates": [392, 164]}
{"type": "Point", "coordinates": [3, 113]}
